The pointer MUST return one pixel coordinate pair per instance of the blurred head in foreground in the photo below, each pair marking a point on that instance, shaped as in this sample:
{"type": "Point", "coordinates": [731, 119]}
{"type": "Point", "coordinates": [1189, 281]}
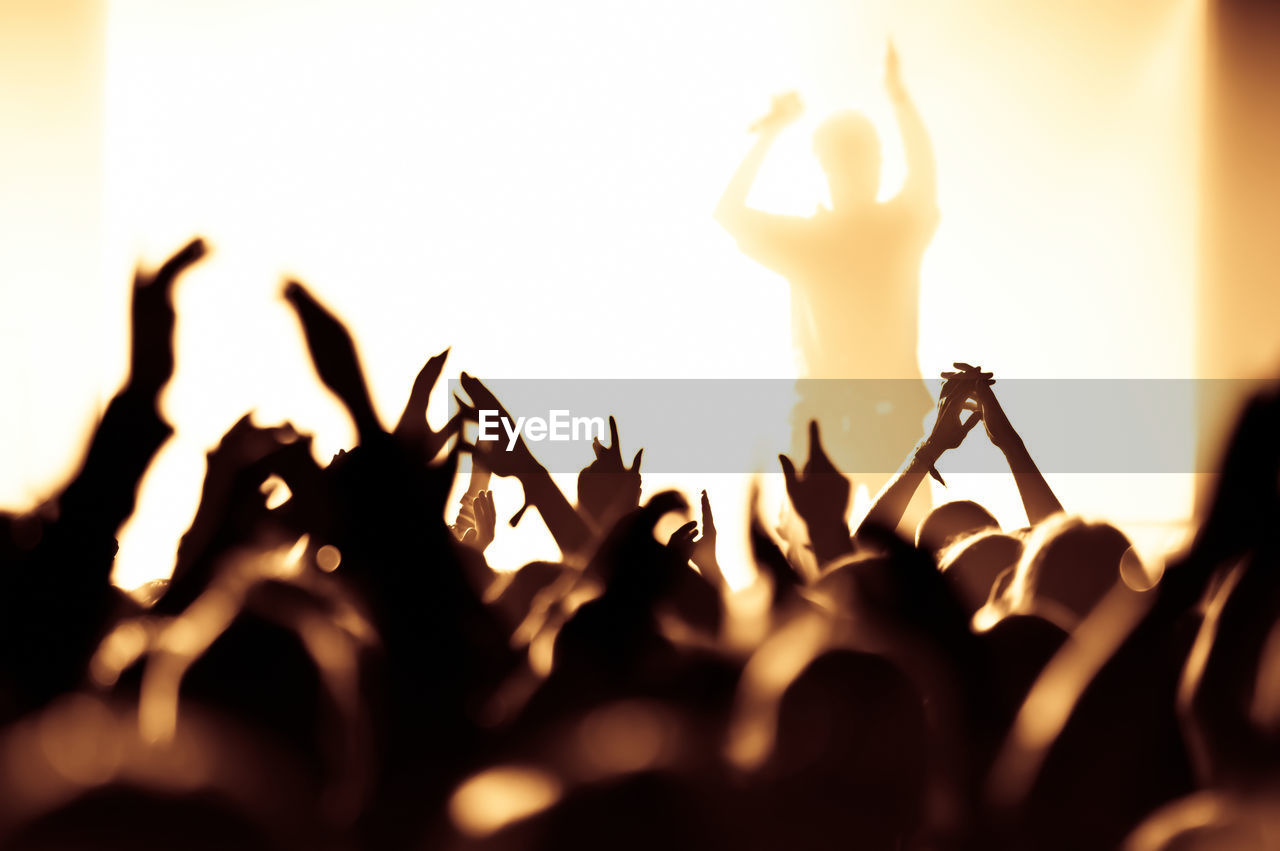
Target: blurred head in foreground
{"type": "Point", "coordinates": [972, 564]}
{"type": "Point", "coordinates": [1067, 566]}
{"type": "Point", "coordinates": [952, 521]}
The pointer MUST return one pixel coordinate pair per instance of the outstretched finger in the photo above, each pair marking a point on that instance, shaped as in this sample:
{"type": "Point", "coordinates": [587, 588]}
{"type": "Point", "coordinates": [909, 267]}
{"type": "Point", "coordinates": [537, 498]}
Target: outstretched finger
{"type": "Point", "coordinates": [952, 405]}
{"type": "Point", "coordinates": [483, 506]}
{"type": "Point", "coordinates": [686, 530]}
{"type": "Point", "coordinates": [788, 472]}
{"type": "Point", "coordinates": [682, 538]}
{"type": "Point", "coordinates": [482, 397]}
{"type": "Point", "coordinates": [818, 458]}
{"type": "Point", "coordinates": [183, 259]}
{"type": "Point", "coordinates": [333, 354]}
{"type": "Point", "coordinates": [414, 416]}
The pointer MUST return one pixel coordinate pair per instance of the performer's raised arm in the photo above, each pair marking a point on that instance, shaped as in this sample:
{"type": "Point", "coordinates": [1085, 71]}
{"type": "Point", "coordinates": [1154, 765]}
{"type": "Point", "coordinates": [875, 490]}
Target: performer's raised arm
{"type": "Point", "coordinates": [768, 238]}
{"type": "Point", "coordinates": [920, 189]}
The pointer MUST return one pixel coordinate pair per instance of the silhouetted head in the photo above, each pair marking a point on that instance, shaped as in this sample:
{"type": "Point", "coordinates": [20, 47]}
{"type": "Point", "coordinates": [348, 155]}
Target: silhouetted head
{"type": "Point", "coordinates": [851, 743]}
{"type": "Point", "coordinates": [972, 564]}
{"type": "Point", "coordinates": [1019, 647]}
{"type": "Point", "coordinates": [848, 150]}
{"type": "Point", "coordinates": [952, 521]}
{"type": "Point", "coordinates": [1067, 566]}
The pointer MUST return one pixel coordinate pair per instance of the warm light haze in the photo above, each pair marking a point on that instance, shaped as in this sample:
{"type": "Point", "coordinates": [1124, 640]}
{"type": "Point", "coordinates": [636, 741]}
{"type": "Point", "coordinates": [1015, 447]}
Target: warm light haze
{"type": "Point", "coordinates": [560, 161]}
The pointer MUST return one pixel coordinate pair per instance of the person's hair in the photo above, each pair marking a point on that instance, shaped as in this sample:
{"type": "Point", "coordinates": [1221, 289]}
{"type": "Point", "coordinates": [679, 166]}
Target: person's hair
{"type": "Point", "coordinates": [1069, 563]}
{"type": "Point", "coordinates": [856, 719]}
{"type": "Point", "coordinates": [972, 564]}
{"type": "Point", "coordinates": [951, 521]}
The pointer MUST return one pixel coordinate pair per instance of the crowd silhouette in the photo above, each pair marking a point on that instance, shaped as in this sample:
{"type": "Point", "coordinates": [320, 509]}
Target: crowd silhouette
{"type": "Point", "coordinates": [344, 669]}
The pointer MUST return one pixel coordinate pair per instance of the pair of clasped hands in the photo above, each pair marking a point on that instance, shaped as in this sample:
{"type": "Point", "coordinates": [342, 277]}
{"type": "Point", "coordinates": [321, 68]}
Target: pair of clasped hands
{"type": "Point", "coordinates": [820, 492]}
{"type": "Point", "coordinates": [967, 388]}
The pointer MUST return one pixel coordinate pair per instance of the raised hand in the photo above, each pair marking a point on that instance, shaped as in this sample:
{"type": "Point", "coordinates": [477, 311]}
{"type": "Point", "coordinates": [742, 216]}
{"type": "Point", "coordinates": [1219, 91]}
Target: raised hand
{"type": "Point", "coordinates": [151, 355]}
{"type": "Point", "coordinates": [607, 488]}
{"type": "Point", "coordinates": [233, 504]}
{"type": "Point", "coordinates": [413, 429]}
{"type": "Point", "coordinates": [700, 549]}
{"type": "Point", "coordinates": [949, 431]}
{"type": "Point", "coordinates": [682, 540]}
{"type": "Point", "coordinates": [565, 524]}
{"type": "Point", "coordinates": [248, 454]}
{"type": "Point", "coordinates": [52, 612]}
{"type": "Point", "coordinates": [820, 491]}
{"type": "Point", "coordinates": [477, 521]}
{"type": "Point", "coordinates": [893, 72]}
{"type": "Point", "coordinates": [704, 548]}
{"type": "Point", "coordinates": [1037, 497]}
{"type": "Point", "coordinates": [966, 378]}
{"type": "Point", "coordinates": [950, 428]}
{"type": "Point", "coordinates": [516, 461]}
{"type": "Point", "coordinates": [821, 497]}
{"type": "Point", "coordinates": [784, 109]}
{"type": "Point", "coordinates": [102, 495]}
{"type": "Point", "coordinates": [610, 457]}
{"type": "Point", "coordinates": [333, 354]}
{"type": "Point", "coordinates": [245, 445]}
{"type": "Point", "coordinates": [920, 188]}
{"type": "Point", "coordinates": [1000, 431]}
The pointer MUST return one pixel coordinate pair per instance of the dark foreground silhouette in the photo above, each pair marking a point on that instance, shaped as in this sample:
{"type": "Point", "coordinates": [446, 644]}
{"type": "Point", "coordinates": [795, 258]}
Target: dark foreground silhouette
{"type": "Point", "coordinates": [347, 670]}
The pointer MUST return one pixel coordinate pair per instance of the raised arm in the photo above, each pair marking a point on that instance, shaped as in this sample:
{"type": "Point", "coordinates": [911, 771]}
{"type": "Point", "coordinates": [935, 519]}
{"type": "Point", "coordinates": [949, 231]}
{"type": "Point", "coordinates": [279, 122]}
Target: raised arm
{"type": "Point", "coordinates": [820, 495]}
{"type": "Point", "coordinates": [920, 189]}
{"type": "Point", "coordinates": [766, 237]}
{"type": "Point", "coordinates": [1037, 497]}
{"type": "Point", "coordinates": [571, 532]}
{"type": "Point", "coordinates": [732, 207]}
{"type": "Point", "coordinates": [333, 354]}
{"type": "Point", "coordinates": [949, 430]}
{"type": "Point", "coordinates": [103, 493]}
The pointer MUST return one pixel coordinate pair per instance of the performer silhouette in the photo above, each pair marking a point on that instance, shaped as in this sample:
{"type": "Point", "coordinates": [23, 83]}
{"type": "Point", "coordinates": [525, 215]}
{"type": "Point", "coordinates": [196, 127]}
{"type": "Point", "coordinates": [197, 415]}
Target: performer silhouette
{"type": "Point", "coordinates": [854, 270]}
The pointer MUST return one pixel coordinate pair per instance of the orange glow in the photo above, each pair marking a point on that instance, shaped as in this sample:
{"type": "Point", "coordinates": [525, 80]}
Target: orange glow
{"type": "Point", "coordinates": [624, 737]}
{"type": "Point", "coordinates": [328, 558]}
{"type": "Point", "coordinates": [492, 799]}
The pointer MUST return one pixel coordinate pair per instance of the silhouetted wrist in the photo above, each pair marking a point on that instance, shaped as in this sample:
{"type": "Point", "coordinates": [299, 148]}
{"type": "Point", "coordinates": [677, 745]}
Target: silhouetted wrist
{"type": "Point", "coordinates": [830, 541]}
{"type": "Point", "coordinates": [924, 456]}
{"type": "Point", "coordinates": [534, 480]}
